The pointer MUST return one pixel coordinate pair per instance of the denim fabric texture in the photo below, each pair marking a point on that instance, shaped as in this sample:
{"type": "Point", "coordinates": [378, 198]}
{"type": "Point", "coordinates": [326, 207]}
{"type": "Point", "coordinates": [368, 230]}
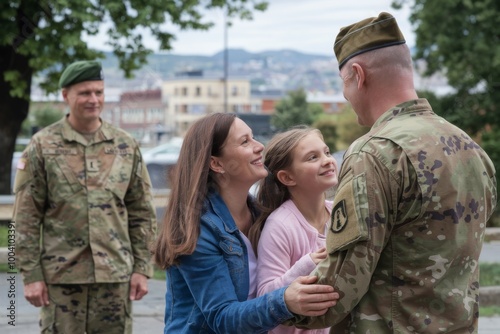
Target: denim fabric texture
{"type": "Point", "coordinates": [207, 291]}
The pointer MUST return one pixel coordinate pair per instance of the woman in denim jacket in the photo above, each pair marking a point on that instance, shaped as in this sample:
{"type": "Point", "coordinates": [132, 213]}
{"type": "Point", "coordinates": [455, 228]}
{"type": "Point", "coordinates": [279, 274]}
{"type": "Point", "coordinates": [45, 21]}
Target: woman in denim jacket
{"type": "Point", "coordinates": [203, 244]}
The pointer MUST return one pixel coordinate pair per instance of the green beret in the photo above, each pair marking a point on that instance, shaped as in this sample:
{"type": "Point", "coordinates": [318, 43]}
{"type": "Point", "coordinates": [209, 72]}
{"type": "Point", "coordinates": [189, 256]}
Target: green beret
{"type": "Point", "coordinates": [80, 71]}
{"type": "Point", "coordinates": [367, 35]}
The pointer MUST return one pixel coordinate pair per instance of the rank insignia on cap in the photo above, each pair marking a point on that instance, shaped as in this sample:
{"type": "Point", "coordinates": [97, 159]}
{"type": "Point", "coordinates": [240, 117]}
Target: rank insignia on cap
{"type": "Point", "coordinates": [339, 217]}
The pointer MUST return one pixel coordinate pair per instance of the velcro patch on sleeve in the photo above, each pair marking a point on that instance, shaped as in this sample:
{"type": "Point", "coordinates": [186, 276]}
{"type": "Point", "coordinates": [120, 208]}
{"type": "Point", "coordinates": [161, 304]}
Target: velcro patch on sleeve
{"type": "Point", "coordinates": [21, 164]}
{"type": "Point", "coordinates": [22, 175]}
{"type": "Point", "coordinates": [348, 220]}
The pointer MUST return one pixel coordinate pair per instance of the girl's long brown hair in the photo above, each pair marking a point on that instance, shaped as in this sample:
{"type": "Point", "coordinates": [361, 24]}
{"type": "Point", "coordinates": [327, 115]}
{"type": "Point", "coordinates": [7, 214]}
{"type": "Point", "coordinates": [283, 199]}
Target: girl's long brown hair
{"type": "Point", "coordinates": [272, 193]}
{"type": "Point", "coordinates": [191, 180]}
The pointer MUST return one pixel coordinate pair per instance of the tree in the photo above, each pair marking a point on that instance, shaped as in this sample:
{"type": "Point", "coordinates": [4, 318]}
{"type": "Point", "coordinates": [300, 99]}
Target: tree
{"type": "Point", "coordinates": [39, 38]}
{"type": "Point", "coordinates": [461, 39]}
{"type": "Point", "coordinates": [348, 128]}
{"type": "Point", "coordinates": [295, 110]}
{"type": "Point", "coordinates": [40, 118]}
{"type": "Point", "coordinates": [328, 128]}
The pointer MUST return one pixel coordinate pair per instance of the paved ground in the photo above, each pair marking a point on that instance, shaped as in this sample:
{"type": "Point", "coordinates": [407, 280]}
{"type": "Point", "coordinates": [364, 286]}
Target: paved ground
{"type": "Point", "coordinates": [148, 313]}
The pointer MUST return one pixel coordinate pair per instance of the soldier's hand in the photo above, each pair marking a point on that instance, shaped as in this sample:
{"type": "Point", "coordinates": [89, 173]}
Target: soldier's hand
{"type": "Point", "coordinates": [36, 293]}
{"type": "Point", "coordinates": [138, 286]}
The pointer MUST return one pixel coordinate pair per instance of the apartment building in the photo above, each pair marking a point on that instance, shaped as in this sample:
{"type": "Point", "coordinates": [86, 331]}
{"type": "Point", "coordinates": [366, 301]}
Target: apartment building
{"type": "Point", "coordinates": [190, 97]}
{"type": "Point", "coordinates": [142, 114]}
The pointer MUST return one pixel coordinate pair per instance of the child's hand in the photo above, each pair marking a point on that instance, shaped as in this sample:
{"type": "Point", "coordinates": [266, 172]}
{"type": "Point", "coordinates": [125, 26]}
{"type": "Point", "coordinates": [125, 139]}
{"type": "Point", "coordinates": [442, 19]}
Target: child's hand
{"type": "Point", "coordinates": [319, 255]}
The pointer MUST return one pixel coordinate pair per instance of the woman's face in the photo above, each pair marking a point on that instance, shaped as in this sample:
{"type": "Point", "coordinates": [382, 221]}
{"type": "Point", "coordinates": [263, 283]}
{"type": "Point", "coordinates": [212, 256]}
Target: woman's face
{"type": "Point", "coordinates": [241, 160]}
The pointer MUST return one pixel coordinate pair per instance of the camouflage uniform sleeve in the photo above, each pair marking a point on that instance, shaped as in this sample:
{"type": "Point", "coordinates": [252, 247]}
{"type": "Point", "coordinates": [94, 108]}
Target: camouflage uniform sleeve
{"type": "Point", "coordinates": [364, 214]}
{"type": "Point", "coordinates": [29, 208]}
{"type": "Point", "coordinates": [141, 217]}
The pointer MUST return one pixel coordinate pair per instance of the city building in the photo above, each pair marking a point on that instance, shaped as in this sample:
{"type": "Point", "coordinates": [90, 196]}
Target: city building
{"type": "Point", "coordinates": [189, 97]}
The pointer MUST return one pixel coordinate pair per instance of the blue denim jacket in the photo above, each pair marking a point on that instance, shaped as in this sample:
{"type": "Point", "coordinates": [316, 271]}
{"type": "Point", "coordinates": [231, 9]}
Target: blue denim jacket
{"type": "Point", "coordinates": [207, 291]}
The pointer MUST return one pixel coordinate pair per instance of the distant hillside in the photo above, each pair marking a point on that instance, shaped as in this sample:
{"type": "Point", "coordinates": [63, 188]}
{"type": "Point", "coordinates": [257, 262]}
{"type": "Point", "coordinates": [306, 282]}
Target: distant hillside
{"type": "Point", "coordinates": [283, 69]}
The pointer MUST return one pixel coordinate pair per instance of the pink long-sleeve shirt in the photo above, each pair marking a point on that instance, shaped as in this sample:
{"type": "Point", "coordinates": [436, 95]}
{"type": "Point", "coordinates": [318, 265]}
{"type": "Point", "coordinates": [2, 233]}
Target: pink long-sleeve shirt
{"type": "Point", "coordinates": [283, 253]}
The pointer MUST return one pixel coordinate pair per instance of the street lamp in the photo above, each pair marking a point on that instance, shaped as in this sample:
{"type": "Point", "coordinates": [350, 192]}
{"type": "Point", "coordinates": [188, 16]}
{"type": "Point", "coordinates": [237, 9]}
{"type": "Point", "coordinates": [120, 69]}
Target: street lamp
{"type": "Point", "coordinates": [226, 23]}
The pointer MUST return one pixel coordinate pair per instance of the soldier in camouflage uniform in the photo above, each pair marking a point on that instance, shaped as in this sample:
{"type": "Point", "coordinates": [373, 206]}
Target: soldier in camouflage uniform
{"type": "Point", "coordinates": [414, 197]}
{"type": "Point", "coordinates": [84, 215]}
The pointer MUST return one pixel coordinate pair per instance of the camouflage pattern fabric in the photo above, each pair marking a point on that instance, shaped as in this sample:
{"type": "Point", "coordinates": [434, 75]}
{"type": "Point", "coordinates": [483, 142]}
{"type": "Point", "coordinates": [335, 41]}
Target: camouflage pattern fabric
{"type": "Point", "coordinates": [407, 228]}
{"type": "Point", "coordinates": [102, 308]}
{"type": "Point", "coordinates": [84, 211]}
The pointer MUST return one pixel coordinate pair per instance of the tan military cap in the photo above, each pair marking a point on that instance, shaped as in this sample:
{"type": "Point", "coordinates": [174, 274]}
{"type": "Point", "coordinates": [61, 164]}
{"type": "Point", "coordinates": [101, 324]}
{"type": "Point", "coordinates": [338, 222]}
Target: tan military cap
{"type": "Point", "coordinates": [367, 35]}
{"type": "Point", "coordinates": [85, 70]}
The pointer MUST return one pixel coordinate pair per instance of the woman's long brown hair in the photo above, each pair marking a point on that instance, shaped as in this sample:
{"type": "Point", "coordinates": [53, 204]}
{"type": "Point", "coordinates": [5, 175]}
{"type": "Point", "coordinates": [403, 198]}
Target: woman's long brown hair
{"type": "Point", "coordinates": [191, 180]}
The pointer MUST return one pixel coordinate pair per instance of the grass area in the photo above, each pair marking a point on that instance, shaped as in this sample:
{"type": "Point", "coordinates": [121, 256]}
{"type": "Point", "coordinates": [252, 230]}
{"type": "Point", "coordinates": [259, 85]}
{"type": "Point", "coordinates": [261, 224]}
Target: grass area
{"type": "Point", "coordinates": [490, 311]}
{"type": "Point", "coordinates": [159, 274]}
{"type": "Point", "coordinates": [489, 274]}
{"type": "Point", "coordinates": [3, 235]}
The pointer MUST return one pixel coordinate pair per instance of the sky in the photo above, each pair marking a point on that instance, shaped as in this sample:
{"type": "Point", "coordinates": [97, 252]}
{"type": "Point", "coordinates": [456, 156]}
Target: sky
{"type": "Point", "coordinates": [308, 26]}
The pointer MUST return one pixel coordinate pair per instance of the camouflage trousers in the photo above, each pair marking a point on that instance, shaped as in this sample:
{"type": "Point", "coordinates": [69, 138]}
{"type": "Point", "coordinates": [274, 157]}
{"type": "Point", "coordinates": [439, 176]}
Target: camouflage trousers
{"type": "Point", "coordinates": [87, 308]}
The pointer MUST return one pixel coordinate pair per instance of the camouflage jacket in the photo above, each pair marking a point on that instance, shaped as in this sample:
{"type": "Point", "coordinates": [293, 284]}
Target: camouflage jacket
{"type": "Point", "coordinates": [84, 211]}
{"type": "Point", "coordinates": [407, 228]}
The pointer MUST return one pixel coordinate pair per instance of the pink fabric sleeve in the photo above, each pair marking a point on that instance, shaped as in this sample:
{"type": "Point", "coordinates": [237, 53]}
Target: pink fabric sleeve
{"type": "Point", "coordinates": [280, 246]}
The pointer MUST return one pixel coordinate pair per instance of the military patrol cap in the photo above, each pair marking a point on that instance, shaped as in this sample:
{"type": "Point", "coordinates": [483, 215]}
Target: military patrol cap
{"type": "Point", "coordinates": [367, 35]}
{"type": "Point", "coordinates": [85, 70]}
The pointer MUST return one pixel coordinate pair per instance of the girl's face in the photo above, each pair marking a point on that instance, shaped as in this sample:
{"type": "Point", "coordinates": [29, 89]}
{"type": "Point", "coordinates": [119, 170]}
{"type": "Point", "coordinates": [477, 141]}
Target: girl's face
{"type": "Point", "coordinates": [313, 168]}
{"type": "Point", "coordinates": [241, 159]}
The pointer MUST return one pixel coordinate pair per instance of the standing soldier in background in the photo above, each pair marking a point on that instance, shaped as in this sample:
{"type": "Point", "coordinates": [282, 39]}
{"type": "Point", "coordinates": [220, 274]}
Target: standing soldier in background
{"type": "Point", "coordinates": [414, 197]}
{"type": "Point", "coordinates": [84, 215]}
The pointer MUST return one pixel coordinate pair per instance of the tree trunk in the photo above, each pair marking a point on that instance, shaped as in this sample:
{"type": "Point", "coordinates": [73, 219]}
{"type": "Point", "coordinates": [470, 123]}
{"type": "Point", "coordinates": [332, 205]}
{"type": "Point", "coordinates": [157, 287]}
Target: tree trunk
{"type": "Point", "coordinates": [13, 110]}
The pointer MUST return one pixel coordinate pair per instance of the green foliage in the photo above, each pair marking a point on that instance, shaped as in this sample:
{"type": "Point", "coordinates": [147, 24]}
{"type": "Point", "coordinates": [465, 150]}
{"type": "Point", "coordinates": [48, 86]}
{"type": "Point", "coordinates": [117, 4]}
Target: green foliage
{"type": "Point", "coordinates": [40, 118]}
{"type": "Point", "coordinates": [490, 274]}
{"type": "Point", "coordinates": [328, 128]}
{"type": "Point", "coordinates": [489, 141]}
{"type": "Point", "coordinates": [295, 110]}
{"type": "Point", "coordinates": [46, 116]}
{"type": "Point", "coordinates": [348, 128]}
{"type": "Point", "coordinates": [49, 33]}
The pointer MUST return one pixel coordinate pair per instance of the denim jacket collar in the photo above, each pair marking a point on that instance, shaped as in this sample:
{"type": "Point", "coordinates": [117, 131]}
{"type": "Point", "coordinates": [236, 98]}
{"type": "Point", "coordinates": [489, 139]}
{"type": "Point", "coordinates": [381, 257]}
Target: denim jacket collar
{"type": "Point", "coordinates": [220, 209]}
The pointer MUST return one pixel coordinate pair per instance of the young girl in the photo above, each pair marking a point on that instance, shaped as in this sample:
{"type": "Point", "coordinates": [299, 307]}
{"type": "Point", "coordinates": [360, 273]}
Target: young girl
{"type": "Point", "coordinates": [203, 241]}
{"type": "Point", "coordinates": [295, 211]}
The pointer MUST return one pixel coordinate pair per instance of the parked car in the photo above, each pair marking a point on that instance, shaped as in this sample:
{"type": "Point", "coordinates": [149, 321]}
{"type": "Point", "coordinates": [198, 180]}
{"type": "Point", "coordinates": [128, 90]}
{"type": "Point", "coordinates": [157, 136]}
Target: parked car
{"type": "Point", "coordinates": [160, 160]}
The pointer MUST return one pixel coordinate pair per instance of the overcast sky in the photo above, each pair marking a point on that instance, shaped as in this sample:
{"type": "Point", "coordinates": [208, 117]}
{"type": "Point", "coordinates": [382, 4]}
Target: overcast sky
{"type": "Point", "coordinates": [309, 26]}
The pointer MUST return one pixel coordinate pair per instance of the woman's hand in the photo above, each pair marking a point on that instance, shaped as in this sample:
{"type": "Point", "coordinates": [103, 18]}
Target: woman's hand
{"type": "Point", "coordinates": [305, 298]}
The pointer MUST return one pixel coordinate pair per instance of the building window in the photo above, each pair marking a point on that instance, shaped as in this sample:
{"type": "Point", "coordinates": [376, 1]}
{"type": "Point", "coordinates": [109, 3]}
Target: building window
{"type": "Point", "coordinates": [198, 91]}
{"type": "Point", "coordinates": [197, 109]}
{"type": "Point", "coordinates": [154, 115]}
{"type": "Point", "coordinates": [133, 116]}
{"type": "Point", "coordinates": [184, 91]}
{"type": "Point", "coordinates": [234, 91]}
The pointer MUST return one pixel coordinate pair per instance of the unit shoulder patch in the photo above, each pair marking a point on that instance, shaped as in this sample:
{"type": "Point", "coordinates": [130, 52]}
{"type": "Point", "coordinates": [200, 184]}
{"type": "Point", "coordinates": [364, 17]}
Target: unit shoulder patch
{"type": "Point", "coordinates": [348, 220]}
{"type": "Point", "coordinates": [339, 217]}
